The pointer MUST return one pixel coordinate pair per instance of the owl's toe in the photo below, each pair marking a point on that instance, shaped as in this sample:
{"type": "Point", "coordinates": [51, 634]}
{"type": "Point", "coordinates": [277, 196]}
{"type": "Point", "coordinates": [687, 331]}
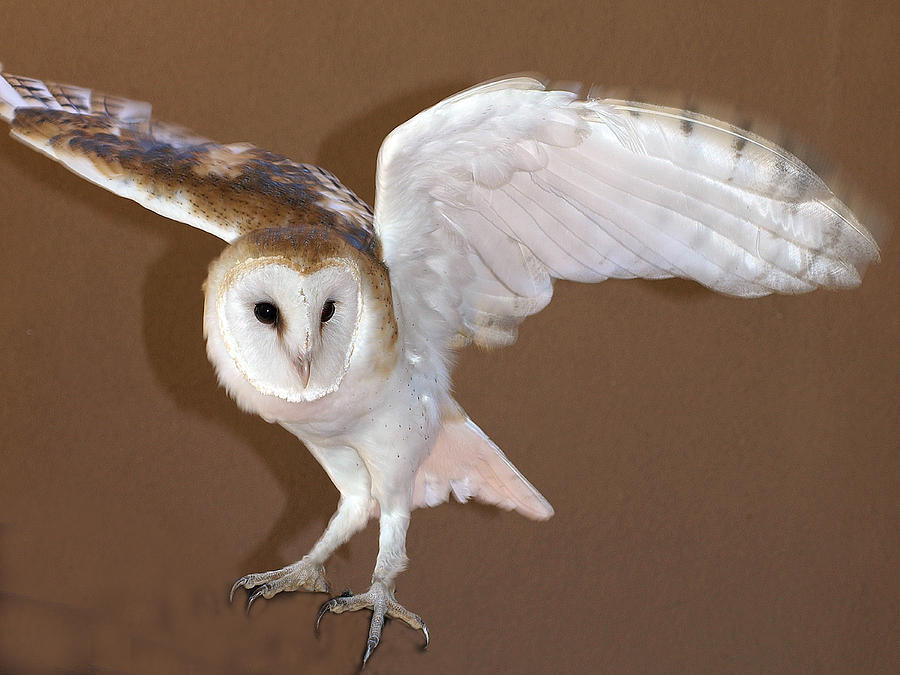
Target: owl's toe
{"type": "Point", "coordinates": [383, 605]}
{"type": "Point", "coordinates": [301, 576]}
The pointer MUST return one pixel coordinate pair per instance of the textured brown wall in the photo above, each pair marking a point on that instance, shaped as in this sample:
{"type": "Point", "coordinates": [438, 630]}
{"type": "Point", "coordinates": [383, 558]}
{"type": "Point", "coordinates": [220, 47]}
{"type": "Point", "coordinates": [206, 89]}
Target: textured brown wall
{"type": "Point", "coordinates": [725, 473]}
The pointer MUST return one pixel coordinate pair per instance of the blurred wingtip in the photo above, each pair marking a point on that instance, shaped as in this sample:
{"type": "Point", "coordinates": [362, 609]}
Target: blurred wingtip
{"type": "Point", "coordinates": [871, 221]}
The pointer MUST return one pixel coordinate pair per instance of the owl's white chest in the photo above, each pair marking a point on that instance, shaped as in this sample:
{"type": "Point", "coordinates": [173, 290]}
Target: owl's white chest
{"type": "Point", "coordinates": [376, 439]}
{"type": "Point", "coordinates": [377, 412]}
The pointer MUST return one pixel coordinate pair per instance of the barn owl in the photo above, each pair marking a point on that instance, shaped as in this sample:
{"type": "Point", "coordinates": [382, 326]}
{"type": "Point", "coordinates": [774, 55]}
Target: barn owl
{"type": "Point", "coordinates": [340, 323]}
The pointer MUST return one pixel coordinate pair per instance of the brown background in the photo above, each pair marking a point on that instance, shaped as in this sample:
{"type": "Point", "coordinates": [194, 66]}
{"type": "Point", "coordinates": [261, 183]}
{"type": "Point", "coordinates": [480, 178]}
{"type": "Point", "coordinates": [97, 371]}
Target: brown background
{"type": "Point", "coordinates": [725, 473]}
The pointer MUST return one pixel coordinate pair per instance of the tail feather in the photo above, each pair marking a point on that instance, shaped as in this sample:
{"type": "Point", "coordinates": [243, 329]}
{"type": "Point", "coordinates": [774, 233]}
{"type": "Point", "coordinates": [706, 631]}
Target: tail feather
{"type": "Point", "coordinates": [466, 463]}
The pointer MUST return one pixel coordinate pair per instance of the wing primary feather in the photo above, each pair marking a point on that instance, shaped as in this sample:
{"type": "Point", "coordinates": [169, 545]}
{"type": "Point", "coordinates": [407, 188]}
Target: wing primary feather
{"type": "Point", "coordinates": [791, 260]}
{"type": "Point", "coordinates": [10, 99]}
{"type": "Point", "coordinates": [684, 252]}
{"type": "Point", "coordinates": [706, 215]}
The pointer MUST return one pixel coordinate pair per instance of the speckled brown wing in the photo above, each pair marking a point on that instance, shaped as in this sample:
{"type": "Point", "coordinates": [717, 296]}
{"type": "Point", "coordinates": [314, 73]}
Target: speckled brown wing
{"type": "Point", "coordinates": [227, 190]}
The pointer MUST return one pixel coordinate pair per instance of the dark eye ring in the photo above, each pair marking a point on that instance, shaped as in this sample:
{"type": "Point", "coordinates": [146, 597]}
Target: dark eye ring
{"type": "Point", "coordinates": [327, 310]}
{"type": "Point", "coordinates": [266, 312]}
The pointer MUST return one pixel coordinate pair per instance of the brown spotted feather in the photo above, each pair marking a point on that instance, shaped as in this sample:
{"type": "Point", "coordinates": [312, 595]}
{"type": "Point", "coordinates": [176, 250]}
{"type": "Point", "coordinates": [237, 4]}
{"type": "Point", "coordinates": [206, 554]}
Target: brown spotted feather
{"type": "Point", "coordinates": [228, 190]}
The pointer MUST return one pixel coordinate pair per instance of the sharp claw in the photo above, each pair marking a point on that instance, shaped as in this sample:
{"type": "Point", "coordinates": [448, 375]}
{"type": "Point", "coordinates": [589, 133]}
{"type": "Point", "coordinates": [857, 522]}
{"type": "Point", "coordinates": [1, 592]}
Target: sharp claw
{"type": "Point", "coordinates": [237, 585]}
{"type": "Point", "coordinates": [256, 593]}
{"type": "Point", "coordinates": [383, 610]}
{"type": "Point", "coordinates": [370, 647]}
{"type": "Point", "coordinates": [323, 610]}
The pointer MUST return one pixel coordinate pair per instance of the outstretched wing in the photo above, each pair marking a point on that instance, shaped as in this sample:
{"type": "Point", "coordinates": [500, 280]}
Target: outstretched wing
{"type": "Point", "coordinates": [226, 190]}
{"type": "Point", "coordinates": [486, 198]}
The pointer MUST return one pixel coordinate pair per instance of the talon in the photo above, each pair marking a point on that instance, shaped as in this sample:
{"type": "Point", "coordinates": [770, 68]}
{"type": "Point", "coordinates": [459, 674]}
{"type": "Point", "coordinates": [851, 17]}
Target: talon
{"type": "Point", "coordinates": [380, 601]}
{"type": "Point", "coordinates": [237, 584]}
{"type": "Point", "coordinates": [370, 647]}
{"type": "Point", "coordinates": [256, 593]}
{"type": "Point", "coordinates": [323, 610]}
{"type": "Point", "coordinates": [302, 575]}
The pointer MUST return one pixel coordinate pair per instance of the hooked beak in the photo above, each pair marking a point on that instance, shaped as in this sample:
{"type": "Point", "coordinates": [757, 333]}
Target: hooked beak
{"type": "Point", "coordinates": [303, 369]}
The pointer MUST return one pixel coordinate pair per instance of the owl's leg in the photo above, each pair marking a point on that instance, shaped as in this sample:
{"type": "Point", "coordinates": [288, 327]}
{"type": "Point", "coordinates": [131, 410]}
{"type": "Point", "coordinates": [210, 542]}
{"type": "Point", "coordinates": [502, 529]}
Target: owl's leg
{"type": "Point", "coordinates": [380, 596]}
{"type": "Point", "coordinates": [308, 573]}
{"type": "Point", "coordinates": [354, 508]}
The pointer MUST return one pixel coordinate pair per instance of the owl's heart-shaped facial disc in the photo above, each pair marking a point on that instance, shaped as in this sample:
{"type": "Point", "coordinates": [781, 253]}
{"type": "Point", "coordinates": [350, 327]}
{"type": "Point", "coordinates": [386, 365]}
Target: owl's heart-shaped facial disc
{"type": "Point", "coordinates": [290, 330]}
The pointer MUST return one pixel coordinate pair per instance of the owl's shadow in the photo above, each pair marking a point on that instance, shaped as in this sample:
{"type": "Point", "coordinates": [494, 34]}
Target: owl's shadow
{"type": "Point", "coordinates": [172, 309]}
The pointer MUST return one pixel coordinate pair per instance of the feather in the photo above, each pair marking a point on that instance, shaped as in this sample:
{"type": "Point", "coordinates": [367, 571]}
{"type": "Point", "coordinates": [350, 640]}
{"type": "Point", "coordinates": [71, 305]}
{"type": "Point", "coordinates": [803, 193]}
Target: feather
{"type": "Point", "coordinates": [538, 185]}
{"type": "Point", "coordinates": [465, 463]}
{"type": "Point", "coordinates": [226, 190]}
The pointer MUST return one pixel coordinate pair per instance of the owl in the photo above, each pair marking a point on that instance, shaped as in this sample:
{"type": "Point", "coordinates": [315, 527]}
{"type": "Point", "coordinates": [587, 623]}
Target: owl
{"type": "Point", "coordinates": [340, 323]}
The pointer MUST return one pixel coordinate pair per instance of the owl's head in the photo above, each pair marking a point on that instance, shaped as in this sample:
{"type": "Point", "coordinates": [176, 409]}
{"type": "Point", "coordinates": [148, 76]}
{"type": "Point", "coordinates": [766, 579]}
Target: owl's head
{"type": "Point", "coordinates": [284, 312]}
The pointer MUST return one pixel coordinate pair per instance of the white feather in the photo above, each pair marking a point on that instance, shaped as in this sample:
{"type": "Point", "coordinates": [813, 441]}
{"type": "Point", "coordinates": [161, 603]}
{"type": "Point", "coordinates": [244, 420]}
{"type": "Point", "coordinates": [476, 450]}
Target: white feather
{"type": "Point", "coordinates": [537, 185]}
{"type": "Point", "coordinates": [466, 463]}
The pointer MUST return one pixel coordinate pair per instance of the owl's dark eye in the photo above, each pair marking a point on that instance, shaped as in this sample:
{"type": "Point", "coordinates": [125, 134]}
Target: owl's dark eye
{"type": "Point", "coordinates": [266, 312]}
{"type": "Point", "coordinates": [327, 310]}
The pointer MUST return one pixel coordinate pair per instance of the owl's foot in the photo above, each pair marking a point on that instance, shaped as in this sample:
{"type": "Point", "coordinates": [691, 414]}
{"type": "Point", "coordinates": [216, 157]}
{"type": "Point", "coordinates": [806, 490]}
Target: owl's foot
{"type": "Point", "coordinates": [382, 603]}
{"type": "Point", "coordinates": [301, 576]}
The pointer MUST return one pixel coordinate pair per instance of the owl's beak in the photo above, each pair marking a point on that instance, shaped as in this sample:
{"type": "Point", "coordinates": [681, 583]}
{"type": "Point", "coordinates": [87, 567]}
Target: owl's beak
{"type": "Point", "coordinates": [303, 369]}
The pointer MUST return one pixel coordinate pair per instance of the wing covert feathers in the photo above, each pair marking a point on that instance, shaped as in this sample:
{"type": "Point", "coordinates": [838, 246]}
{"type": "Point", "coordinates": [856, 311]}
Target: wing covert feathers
{"type": "Point", "coordinates": [465, 463]}
{"type": "Point", "coordinates": [489, 196]}
{"type": "Point", "coordinates": [227, 190]}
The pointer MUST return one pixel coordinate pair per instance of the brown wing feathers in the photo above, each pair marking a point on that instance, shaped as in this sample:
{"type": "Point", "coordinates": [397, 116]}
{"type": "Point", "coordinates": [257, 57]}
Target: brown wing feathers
{"type": "Point", "coordinates": [228, 190]}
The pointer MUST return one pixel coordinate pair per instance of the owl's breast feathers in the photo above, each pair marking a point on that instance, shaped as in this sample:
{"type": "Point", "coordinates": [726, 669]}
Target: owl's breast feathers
{"type": "Point", "coordinates": [229, 190]}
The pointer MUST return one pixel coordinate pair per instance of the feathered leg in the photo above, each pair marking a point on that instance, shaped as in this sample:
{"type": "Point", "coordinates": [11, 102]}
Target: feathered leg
{"type": "Point", "coordinates": [308, 573]}
{"type": "Point", "coordinates": [355, 507]}
{"type": "Point", "coordinates": [392, 488]}
{"type": "Point", "coordinates": [380, 596]}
